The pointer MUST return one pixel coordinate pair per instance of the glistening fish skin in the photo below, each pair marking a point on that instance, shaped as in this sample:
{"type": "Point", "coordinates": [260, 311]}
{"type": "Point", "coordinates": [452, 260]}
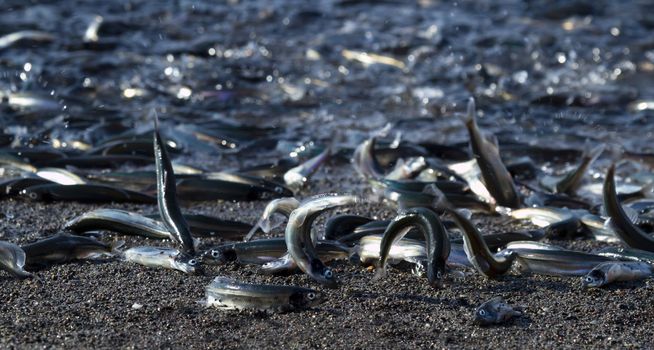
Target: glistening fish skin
{"type": "Point", "coordinates": [267, 222]}
{"type": "Point", "coordinates": [62, 248]}
{"type": "Point", "coordinates": [478, 253]}
{"type": "Point", "coordinates": [618, 271]}
{"type": "Point", "coordinates": [495, 311]}
{"type": "Point", "coordinates": [168, 258]}
{"type": "Point", "coordinates": [228, 294]}
{"type": "Point", "coordinates": [86, 193]}
{"type": "Point", "coordinates": [119, 221]}
{"type": "Point", "coordinates": [437, 242]}
{"type": "Point", "coordinates": [256, 252]}
{"type": "Point", "coordinates": [630, 234]}
{"type": "Point", "coordinates": [497, 179]}
{"type": "Point", "coordinates": [327, 251]}
{"type": "Point", "coordinates": [298, 236]}
{"type": "Point", "coordinates": [557, 262]}
{"type": "Point", "coordinates": [12, 259]}
{"type": "Point", "coordinates": [167, 197]}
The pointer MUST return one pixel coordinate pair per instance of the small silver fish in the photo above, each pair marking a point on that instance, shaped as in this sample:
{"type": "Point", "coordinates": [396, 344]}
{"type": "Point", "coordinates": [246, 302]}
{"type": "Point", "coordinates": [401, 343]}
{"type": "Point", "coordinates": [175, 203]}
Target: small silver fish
{"type": "Point", "coordinates": [168, 258]}
{"type": "Point", "coordinates": [616, 271]}
{"type": "Point", "coordinates": [495, 311]}
{"type": "Point", "coordinates": [228, 294]}
{"type": "Point", "coordinates": [270, 218]}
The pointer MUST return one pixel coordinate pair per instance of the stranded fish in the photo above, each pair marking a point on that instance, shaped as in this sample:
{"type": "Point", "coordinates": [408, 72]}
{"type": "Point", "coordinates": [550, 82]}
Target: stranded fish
{"type": "Point", "coordinates": [616, 271]}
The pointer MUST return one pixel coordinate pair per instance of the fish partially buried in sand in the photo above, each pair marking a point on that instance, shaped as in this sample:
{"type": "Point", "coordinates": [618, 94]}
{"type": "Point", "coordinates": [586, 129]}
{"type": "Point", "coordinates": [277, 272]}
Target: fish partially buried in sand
{"type": "Point", "coordinates": [495, 311]}
{"type": "Point", "coordinates": [12, 259]}
{"type": "Point", "coordinates": [616, 271]}
{"type": "Point", "coordinates": [229, 294]}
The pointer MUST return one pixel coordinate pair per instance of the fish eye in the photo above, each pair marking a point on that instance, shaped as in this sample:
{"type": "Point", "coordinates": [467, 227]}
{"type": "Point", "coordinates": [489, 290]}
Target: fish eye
{"type": "Point", "coordinates": [482, 312]}
{"type": "Point", "coordinates": [215, 253]}
{"type": "Point", "coordinates": [328, 273]}
{"type": "Point", "coordinates": [589, 279]}
{"type": "Point", "coordinates": [192, 262]}
{"type": "Point", "coordinates": [32, 195]}
{"type": "Point", "coordinates": [438, 274]}
{"type": "Point", "coordinates": [311, 295]}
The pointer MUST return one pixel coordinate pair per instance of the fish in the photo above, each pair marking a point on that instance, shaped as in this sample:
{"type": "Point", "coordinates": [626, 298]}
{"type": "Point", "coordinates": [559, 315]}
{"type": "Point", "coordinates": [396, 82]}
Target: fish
{"type": "Point", "coordinates": [495, 311]}
{"type": "Point", "coordinates": [598, 228]}
{"type": "Point", "coordinates": [60, 176]}
{"type": "Point", "coordinates": [631, 254]}
{"type": "Point", "coordinates": [298, 238]}
{"type": "Point", "coordinates": [14, 38]}
{"type": "Point", "coordinates": [570, 182]}
{"type": "Point", "coordinates": [437, 242]}
{"type": "Point", "coordinates": [228, 294]}
{"type": "Point", "coordinates": [12, 259]}
{"type": "Point", "coordinates": [296, 178]}
{"type": "Point", "coordinates": [119, 221]}
{"type": "Point", "coordinates": [616, 271]}
{"type": "Point", "coordinates": [365, 162]}
{"type": "Point", "coordinates": [14, 186]}
{"type": "Point", "coordinates": [630, 234]}
{"type": "Point", "coordinates": [91, 32]}
{"type": "Point", "coordinates": [554, 261]}
{"type": "Point", "coordinates": [63, 247]}
{"type": "Point", "coordinates": [210, 226]}
{"type": "Point", "coordinates": [470, 172]}
{"type": "Point", "coordinates": [497, 179]}
{"type": "Point", "coordinates": [403, 249]}
{"type": "Point", "coordinates": [169, 209]}
{"type": "Point", "coordinates": [255, 252]}
{"type": "Point", "coordinates": [407, 169]}
{"type": "Point", "coordinates": [367, 59]}
{"type": "Point", "coordinates": [209, 189]}
{"type": "Point", "coordinates": [477, 250]}
{"type": "Point", "coordinates": [87, 193]}
{"type": "Point", "coordinates": [270, 217]}
{"type": "Point", "coordinates": [97, 161]}
{"type": "Point", "coordinates": [169, 258]}
{"type": "Point", "coordinates": [495, 241]}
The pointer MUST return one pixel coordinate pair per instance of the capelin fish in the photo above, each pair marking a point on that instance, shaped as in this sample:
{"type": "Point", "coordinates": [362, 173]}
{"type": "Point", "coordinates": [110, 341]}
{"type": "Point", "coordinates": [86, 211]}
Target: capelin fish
{"type": "Point", "coordinates": [327, 251]}
{"type": "Point", "coordinates": [495, 311]}
{"type": "Point", "coordinates": [91, 32]}
{"type": "Point", "coordinates": [270, 218]}
{"type": "Point", "coordinates": [374, 227]}
{"type": "Point", "coordinates": [470, 172]}
{"type": "Point", "coordinates": [555, 262]}
{"type": "Point", "coordinates": [298, 176]}
{"type": "Point", "coordinates": [437, 242]}
{"type": "Point", "coordinates": [97, 161]}
{"type": "Point", "coordinates": [256, 252]}
{"type": "Point", "coordinates": [13, 187]}
{"type": "Point", "coordinates": [477, 251]}
{"type": "Point", "coordinates": [407, 169]}
{"type": "Point", "coordinates": [12, 259]}
{"type": "Point", "coordinates": [570, 182]}
{"type": "Point", "coordinates": [556, 222]}
{"type": "Point", "coordinates": [617, 271]}
{"type": "Point", "coordinates": [208, 189]}
{"type": "Point", "coordinates": [599, 229]}
{"type": "Point", "coordinates": [340, 225]}
{"type": "Point", "coordinates": [168, 258]}
{"type": "Point", "coordinates": [86, 193]}
{"type": "Point", "coordinates": [60, 176]}
{"type": "Point", "coordinates": [630, 234]}
{"type": "Point", "coordinates": [63, 247]}
{"type": "Point", "coordinates": [119, 221]}
{"type": "Point", "coordinates": [261, 187]}
{"type": "Point", "coordinates": [210, 226]}
{"type": "Point", "coordinates": [169, 209]}
{"type": "Point", "coordinates": [497, 179]}
{"type": "Point", "coordinates": [228, 294]}
{"type": "Point", "coordinates": [367, 59]}
{"type": "Point", "coordinates": [298, 236]}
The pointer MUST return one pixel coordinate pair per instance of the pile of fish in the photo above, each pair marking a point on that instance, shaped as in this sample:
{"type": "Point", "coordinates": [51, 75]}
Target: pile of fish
{"type": "Point", "coordinates": [432, 233]}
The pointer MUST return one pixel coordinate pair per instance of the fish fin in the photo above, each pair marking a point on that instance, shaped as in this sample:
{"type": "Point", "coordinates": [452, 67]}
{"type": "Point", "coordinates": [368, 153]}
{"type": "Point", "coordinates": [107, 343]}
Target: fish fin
{"type": "Point", "coordinates": [594, 152]}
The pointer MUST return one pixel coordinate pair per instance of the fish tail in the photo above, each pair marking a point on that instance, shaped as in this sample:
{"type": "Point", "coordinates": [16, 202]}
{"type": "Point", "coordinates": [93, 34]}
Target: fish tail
{"type": "Point", "coordinates": [115, 248]}
{"type": "Point", "coordinates": [594, 152]}
{"type": "Point", "coordinates": [471, 112]}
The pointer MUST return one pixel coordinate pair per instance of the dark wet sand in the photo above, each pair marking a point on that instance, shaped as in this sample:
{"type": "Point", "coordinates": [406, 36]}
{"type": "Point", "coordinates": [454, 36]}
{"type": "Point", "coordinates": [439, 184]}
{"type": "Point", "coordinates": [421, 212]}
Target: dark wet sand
{"type": "Point", "coordinates": [91, 304]}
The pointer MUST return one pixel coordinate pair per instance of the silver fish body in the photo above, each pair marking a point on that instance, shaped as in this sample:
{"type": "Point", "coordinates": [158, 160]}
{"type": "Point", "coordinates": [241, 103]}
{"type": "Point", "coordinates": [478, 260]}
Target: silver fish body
{"type": "Point", "coordinates": [62, 248]}
{"type": "Point", "coordinates": [616, 271]}
{"type": "Point", "coordinates": [119, 221]}
{"type": "Point", "coordinates": [228, 294]}
{"type": "Point", "coordinates": [168, 258]}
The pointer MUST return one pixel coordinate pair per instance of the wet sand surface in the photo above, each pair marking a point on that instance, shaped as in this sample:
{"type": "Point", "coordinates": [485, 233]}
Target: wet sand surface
{"type": "Point", "coordinates": [532, 66]}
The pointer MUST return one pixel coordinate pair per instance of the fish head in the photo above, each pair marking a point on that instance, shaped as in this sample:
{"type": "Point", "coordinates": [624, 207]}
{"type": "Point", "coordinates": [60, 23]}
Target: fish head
{"type": "Point", "coordinates": [323, 274]}
{"type": "Point", "coordinates": [32, 194]}
{"type": "Point", "coordinates": [437, 276]}
{"type": "Point", "coordinates": [186, 264]}
{"type": "Point", "coordinates": [485, 315]}
{"type": "Point", "coordinates": [306, 299]}
{"type": "Point", "coordinates": [593, 279]}
{"type": "Point", "coordinates": [220, 255]}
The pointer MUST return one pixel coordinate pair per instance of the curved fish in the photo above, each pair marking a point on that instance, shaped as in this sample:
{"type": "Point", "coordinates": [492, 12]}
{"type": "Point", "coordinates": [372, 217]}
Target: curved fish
{"type": "Point", "coordinates": [478, 253]}
{"type": "Point", "coordinates": [497, 179]}
{"type": "Point", "coordinates": [12, 259]}
{"type": "Point", "coordinates": [570, 182]}
{"type": "Point", "coordinates": [169, 209]}
{"type": "Point", "coordinates": [168, 258]}
{"type": "Point", "coordinates": [630, 234]}
{"type": "Point", "coordinates": [437, 242]}
{"type": "Point", "coordinates": [298, 236]}
{"type": "Point", "coordinates": [268, 220]}
{"type": "Point", "coordinates": [556, 222]}
{"type": "Point", "coordinates": [616, 271]}
{"type": "Point", "coordinates": [229, 294]}
{"type": "Point", "coordinates": [298, 176]}
{"type": "Point", "coordinates": [365, 162]}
